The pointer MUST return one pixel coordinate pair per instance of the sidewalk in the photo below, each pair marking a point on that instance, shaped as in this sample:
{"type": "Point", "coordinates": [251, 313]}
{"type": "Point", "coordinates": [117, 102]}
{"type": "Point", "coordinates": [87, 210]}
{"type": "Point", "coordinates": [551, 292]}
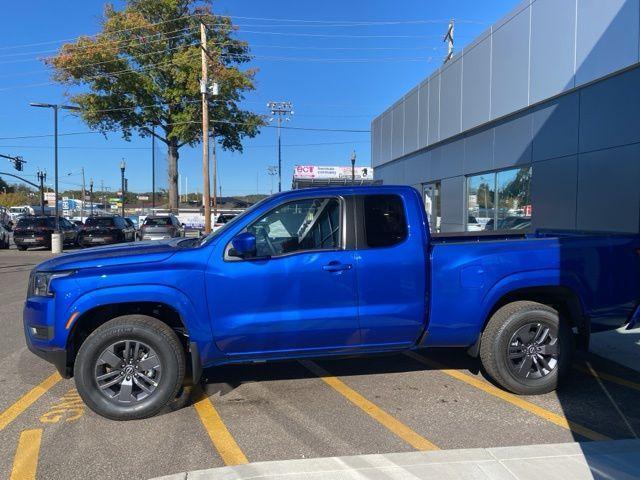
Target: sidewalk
{"type": "Point", "coordinates": [619, 459]}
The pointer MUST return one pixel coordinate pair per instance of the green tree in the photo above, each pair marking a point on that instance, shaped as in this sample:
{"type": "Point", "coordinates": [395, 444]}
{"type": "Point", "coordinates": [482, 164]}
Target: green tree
{"type": "Point", "coordinates": [142, 72]}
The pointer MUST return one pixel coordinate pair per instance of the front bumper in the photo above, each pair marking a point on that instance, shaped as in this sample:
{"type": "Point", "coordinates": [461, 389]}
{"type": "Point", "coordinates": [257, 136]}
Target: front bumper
{"type": "Point", "coordinates": [58, 358]}
{"type": "Point", "coordinates": [40, 333]}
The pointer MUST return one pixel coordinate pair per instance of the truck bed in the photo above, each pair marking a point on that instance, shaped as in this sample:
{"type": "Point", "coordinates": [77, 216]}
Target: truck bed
{"type": "Point", "coordinates": [471, 272]}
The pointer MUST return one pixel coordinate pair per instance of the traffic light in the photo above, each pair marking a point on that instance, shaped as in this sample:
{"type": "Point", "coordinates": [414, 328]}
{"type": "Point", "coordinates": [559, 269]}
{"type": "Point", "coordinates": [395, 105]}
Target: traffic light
{"type": "Point", "coordinates": [18, 163]}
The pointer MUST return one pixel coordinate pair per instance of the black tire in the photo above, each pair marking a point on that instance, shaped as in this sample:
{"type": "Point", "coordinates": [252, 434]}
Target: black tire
{"type": "Point", "coordinates": [22, 248]}
{"type": "Point", "coordinates": [137, 328]}
{"type": "Point", "coordinates": [500, 339]}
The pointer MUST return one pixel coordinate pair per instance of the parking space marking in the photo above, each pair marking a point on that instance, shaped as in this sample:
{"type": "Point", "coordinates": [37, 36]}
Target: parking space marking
{"type": "Point", "coordinates": [69, 408]}
{"type": "Point", "coordinates": [218, 432]}
{"type": "Point", "coordinates": [608, 377]}
{"type": "Point", "coordinates": [390, 422]}
{"type": "Point", "coordinates": [25, 462]}
{"type": "Point", "coordinates": [511, 398]}
{"type": "Point", "coordinates": [28, 399]}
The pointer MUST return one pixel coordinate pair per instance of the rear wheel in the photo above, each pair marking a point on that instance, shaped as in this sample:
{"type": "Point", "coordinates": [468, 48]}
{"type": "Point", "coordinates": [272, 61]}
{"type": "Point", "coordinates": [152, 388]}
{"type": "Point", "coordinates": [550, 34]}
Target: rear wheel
{"type": "Point", "coordinates": [130, 368]}
{"type": "Point", "coordinates": [527, 348]}
{"type": "Point", "coordinates": [22, 248]}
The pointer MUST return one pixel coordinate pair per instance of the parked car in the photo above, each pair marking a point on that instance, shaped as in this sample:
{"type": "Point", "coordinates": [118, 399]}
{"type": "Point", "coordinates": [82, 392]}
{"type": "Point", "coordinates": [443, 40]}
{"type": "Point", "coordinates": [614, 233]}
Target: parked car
{"type": "Point", "coordinates": [103, 230]}
{"type": "Point", "coordinates": [36, 230]}
{"type": "Point", "coordinates": [161, 227]}
{"type": "Point", "coordinates": [223, 219]}
{"type": "Point", "coordinates": [5, 237]}
{"type": "Point", "coordinates": [324, 272]}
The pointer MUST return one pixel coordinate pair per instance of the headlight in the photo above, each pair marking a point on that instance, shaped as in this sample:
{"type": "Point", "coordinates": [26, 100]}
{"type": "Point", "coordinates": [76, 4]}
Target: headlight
{"type": "Point", "coordinates": [40, 282]}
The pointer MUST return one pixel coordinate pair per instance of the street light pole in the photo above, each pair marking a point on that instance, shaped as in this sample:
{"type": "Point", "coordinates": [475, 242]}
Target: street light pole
{"type": "Point", "coordinates": [91, 196]}
{"type": "Point", "coordinates": [42, 177]}
{"type": "Point", "coordinates": [353, 167]}
{"type": "Point", "coordinates": [122, 168]}
{"type": "Point", "coordinates": [281, 110]}
{"type": "Point", "coordinates": [55, 108]}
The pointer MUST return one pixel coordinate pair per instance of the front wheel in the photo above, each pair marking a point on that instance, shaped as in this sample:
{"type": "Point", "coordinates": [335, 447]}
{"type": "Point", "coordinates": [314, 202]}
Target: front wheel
{"type": "Point", "coordinates": [527, 348]}
{"type": "Point", "coordinates": [130, 368]}
{"type": "Point", "coordinates": [22, 248]}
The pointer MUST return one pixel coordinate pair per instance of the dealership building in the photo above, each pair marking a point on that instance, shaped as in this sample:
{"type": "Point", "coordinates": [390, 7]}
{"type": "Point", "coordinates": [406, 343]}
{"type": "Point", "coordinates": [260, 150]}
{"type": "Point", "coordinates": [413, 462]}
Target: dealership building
{"type": "Point", "coordinates": [534, 124]}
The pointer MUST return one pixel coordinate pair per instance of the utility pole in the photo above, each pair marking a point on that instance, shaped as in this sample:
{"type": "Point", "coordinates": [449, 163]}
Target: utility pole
{"type": "Point", "coordinates": [448, 38]}
{"type": "Point", "coordinates": [204, 86]}
{"type": "Point", "coordinates": [102, 191]}
{"type": "Point", "coordinates": [153, 168]}
{"type": "Point", "coordinates": [42, 177]}
{"type": "Point", "coordinates": [281, 110]}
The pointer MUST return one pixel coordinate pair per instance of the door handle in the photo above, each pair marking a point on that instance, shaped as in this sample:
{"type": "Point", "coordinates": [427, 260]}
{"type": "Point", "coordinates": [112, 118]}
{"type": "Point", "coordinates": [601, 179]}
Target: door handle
{"type": "Point", "coordinates": [336, 267]}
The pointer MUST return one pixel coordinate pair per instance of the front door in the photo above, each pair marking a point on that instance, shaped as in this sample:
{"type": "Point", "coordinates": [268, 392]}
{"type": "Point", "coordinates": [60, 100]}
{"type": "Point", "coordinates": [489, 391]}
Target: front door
{"type": "Point", "coordinates": [298, 294]}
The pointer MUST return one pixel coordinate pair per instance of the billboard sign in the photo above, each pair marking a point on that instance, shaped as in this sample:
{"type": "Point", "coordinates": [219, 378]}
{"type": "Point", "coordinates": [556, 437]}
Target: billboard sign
{"type": "Point", "coordinates": [316, 172]}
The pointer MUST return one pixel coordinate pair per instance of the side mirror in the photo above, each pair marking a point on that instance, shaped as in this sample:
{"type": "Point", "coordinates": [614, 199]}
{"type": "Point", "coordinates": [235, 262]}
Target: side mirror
{"type": "Point", "coordinates": [183, 225]}
{"type": "Point", "coordinates": [244, 245]}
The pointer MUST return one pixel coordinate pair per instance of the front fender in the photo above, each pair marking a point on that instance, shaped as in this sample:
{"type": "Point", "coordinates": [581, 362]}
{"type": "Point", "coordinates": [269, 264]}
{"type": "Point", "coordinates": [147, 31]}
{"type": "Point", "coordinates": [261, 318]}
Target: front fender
{"type": "Point", "coordinates": [195, 319]}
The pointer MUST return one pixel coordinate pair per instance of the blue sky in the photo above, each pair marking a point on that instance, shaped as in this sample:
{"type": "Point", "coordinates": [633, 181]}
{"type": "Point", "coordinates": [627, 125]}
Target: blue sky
{"type": "Point", "coordinates": [328, 88]}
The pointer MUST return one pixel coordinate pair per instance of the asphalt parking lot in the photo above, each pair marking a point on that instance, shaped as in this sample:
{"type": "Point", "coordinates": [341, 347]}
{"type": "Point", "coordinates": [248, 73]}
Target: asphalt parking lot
{"type": "Point", "coordinates": [277, 411]}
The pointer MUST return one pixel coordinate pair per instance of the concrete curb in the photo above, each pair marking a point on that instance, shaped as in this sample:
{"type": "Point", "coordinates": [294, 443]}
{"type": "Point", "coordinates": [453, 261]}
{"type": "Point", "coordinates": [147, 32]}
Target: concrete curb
{"type": "Point", "coordinates": [619, 459]}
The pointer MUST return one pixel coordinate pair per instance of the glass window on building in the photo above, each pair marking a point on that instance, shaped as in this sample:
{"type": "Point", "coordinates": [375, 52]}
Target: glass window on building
{"type": "Point", "coordinates": [499, 200]}
{"type": "Point", "coordinates": [481, 198]}
{"type": "Point", "coordinates": [431, 193]}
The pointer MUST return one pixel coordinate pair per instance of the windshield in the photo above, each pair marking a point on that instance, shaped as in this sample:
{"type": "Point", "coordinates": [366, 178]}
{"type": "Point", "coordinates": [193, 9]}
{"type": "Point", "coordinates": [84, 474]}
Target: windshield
{"type": "Point", "coordinates": [99, 222]}
{"type": "Point", "coordinates": [157, 222]}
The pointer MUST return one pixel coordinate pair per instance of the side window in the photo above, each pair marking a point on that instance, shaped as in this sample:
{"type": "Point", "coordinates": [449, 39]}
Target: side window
{"type": "Point", "coordinates": [309, 224]}
{"type": "Point", "coordinates": [384, 221]}
{"type": "Point", "coordinates": [120, 223]}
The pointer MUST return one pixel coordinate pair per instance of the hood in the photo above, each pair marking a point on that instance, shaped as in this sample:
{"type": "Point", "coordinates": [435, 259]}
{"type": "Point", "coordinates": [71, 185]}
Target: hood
{"type": "Point", "coordinates": [122, 254]}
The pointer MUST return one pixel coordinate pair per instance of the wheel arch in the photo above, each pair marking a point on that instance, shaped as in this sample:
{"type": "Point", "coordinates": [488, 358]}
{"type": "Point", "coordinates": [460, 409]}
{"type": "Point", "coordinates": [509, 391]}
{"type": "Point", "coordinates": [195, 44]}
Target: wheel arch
{"type": "Point", "coordinates": [171, 308]}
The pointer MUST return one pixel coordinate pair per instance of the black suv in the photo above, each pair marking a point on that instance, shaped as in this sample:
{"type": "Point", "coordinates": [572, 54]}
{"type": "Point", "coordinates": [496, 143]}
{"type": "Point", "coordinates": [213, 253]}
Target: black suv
{"type": "Point", "coordinates": [36, 230]}
{"type": "Point", "coordinates": [105, 230]}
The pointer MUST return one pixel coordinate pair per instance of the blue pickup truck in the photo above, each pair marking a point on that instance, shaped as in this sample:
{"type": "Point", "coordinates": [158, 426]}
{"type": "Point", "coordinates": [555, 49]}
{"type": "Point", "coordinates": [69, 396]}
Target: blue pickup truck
{"type": "Point", "coordinates": [323, 272]}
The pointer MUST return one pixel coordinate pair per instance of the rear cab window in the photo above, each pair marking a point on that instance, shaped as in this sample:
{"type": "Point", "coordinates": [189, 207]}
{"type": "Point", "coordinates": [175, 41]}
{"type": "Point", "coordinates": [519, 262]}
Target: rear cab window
{"type": "Point", "coordinates": [385, 222]}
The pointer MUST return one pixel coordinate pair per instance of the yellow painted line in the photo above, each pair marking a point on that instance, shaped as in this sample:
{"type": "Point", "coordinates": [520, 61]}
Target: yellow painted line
{"type": "Point", "coordinates": [608, 377]}
{"type": "Point", "coordinates": [548, 415]}
{"type": "Point", "coordinates": [25, 462]}
{"type": "Point", "coordinates": [24, 402]}
{"type": "Point", "coordinates": [218, 433]}
{"type": "Point", "coordinates": [391, 423]}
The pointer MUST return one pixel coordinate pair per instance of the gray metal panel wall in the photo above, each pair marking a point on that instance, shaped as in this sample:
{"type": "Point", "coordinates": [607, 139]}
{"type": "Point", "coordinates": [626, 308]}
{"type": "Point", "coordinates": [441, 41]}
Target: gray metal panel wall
{"type": "Point", "coordinates": [538, 50]}
{"type": "Point", "coordinates": [478, 152]}
{"type": "Point", "coordinates": [476, 83]}
{"type": "Point", "coordinates": [434, 109]}
{"type": "Point", "coordinates": [512, 143]}
{"type": "Point", "coordinates": [452, 204]}
{"type": "Point", "coordinates": [607, 37]}
{"type": "Point", "coordinates": [555, 127]}
{"type": "Point", "coordinates": [423, 115]}
{"type": "Point", "coordinates": [451, 96]}
{"type": "Point", "coordinates": [609, 112]}
{"type": "Point", "coordinates": [608, 190]}
{"type": "Point", "coordinates": [375, 142]}
{"type": "Point", "coordinates": [510, 65]}
{"type": "Point", "coordinates": [553, 193]}
{"type": "Point", "coordinates": [385, 137]}
{"type": "Point", "coordinates": [397, 136]}
{"type": "Point", "coordinates": [552, 47]}
{"type": "Point", "coordinates": [411, 121]}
